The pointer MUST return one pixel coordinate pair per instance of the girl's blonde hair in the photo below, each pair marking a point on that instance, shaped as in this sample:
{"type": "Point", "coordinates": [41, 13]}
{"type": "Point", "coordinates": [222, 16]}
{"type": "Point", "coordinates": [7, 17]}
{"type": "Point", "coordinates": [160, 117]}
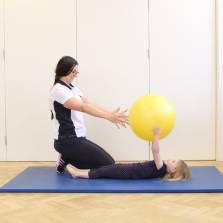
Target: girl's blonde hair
{"type": "Point", "coordinates": [182, 172]}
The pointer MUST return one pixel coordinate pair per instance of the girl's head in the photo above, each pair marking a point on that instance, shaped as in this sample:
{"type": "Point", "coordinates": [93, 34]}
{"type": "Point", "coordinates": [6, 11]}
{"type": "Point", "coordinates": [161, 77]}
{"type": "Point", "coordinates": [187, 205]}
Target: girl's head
{"type": "Point", "coordinates": [177, 170]}
{"type": "Point", "coordinates": [66, 69]}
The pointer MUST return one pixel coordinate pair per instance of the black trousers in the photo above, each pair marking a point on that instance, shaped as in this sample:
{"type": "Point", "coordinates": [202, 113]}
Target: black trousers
{"type": "Point", "coordinates": [82, 153]}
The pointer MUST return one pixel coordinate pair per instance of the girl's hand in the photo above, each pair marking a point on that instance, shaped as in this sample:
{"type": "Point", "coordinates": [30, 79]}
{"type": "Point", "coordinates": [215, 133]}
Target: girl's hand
{"type": "Point", "coordinates": [156, 132]}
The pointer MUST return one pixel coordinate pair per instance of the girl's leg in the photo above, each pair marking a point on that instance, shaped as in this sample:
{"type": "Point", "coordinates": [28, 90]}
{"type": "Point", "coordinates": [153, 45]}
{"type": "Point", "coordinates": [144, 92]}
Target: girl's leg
{"type": "Point", "coordinates": [115, 171]}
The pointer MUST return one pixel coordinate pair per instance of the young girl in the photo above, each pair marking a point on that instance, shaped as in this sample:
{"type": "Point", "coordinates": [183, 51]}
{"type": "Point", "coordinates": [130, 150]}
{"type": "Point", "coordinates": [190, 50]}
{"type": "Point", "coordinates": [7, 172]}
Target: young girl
{"type": "Point", "coordinates": [169, 169]}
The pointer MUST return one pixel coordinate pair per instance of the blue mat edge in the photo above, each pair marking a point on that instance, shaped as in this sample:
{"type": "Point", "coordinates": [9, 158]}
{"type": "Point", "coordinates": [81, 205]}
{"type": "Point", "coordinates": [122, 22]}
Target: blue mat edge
{"type": "Point", "coordinates": [108, 191]}
{"type": "Point", "coordinates": [3, 190]}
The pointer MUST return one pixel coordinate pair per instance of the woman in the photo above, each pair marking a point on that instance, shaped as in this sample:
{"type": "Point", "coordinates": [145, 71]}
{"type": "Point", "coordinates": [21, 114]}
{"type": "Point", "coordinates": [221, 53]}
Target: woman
{"type": "Point", "coordinates": [169, 169]}
{"type": "Point", "coordinates": [67, 105]}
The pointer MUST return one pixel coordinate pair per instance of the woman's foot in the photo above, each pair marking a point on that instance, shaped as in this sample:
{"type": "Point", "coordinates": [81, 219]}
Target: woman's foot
{"type": "Point", "coordinates": [60, 164]}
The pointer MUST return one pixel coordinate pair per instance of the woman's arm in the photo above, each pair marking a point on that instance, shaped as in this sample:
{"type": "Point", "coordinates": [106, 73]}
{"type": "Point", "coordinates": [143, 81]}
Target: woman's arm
{"type": "Point", "coordinates": [99, 107]}
{"type": "Point", "coordinates": [156, 149]}
{"type": "Point", "coordinates": [86, 100]}
{"type": "Point", "coordinates": [117, 117]}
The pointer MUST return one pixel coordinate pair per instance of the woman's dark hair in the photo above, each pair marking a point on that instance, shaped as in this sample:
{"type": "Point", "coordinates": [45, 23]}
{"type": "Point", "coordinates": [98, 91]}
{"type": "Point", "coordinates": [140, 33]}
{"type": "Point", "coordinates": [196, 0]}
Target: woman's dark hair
{"type": "Point", "coordinates": [64, 66]}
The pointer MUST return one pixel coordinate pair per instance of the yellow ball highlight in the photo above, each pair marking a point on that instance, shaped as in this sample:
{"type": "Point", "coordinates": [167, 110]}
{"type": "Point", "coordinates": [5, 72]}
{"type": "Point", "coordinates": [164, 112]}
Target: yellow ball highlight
{"type": "Point", "coordinates": [149, 112]}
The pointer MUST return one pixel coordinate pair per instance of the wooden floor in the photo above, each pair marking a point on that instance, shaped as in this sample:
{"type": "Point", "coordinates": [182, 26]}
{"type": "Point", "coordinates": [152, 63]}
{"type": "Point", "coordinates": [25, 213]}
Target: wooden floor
{"type": "Point", "coordinates": [106, 208]}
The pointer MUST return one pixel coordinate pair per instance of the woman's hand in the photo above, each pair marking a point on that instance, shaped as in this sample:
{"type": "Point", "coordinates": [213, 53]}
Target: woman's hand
{"type": "Point", "coordinates": [118, 117]}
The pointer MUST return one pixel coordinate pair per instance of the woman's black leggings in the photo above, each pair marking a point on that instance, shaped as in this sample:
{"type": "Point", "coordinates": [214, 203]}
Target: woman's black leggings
{"type": "Point", "coordinates": [82, 153]}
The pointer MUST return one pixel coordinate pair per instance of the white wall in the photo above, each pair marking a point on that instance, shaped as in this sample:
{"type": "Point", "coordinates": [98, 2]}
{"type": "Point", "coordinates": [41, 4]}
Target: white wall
{"type": "Point", "coordinates": [37, 34]}
{"type": "Point", "coordinates": [2, 86]}
{"type": "Point", "coordinates": [112, 52]}
{"type": "Point", "coordinates": [182, 68]}
{"type": "Point", "coordinates": [219, 23]}
{"type": "Point", "coordinates": [111, 47]}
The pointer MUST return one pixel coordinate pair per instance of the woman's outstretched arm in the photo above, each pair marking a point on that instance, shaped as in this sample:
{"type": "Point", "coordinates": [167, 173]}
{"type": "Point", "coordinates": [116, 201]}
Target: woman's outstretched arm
{"type": "Point", "coordinates": [117, 117]}
{"type": "Point", "coordinates": [100, 107]}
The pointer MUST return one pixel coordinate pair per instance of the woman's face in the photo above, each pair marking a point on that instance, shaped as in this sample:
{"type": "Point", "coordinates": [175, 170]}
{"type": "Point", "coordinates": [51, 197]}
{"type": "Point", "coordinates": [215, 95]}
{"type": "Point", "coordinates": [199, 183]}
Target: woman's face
{"type": "Point", "coordinates": [73, 74]}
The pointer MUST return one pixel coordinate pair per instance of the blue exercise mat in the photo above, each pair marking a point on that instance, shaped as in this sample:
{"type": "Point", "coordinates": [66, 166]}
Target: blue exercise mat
{"type": "Point", "coordinates": [45, 180]}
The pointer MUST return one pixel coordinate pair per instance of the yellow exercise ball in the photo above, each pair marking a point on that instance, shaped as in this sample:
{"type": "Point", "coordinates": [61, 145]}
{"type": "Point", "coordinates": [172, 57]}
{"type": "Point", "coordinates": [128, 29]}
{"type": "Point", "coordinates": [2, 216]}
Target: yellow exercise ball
{"type": "Point", "coordinates": [149, 112]}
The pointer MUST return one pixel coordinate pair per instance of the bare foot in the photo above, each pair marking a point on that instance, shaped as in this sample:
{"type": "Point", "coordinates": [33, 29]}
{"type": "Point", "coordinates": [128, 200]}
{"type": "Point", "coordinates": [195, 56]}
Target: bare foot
{"type": "Point", "coordinates": [72, 170]}
{"type": "Point", "coordinates": [75, 172]}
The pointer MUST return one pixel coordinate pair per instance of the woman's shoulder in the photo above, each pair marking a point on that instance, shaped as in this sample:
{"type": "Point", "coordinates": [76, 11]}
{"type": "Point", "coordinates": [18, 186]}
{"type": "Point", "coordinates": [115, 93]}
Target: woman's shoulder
{"type": "Point", "coordinates": [59, 87]}
{"type": "Point", "coordinates": [59, 91]}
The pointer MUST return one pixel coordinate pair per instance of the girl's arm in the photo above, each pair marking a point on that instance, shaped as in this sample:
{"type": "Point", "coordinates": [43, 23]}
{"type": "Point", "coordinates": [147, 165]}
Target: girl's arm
{"type": "Point", "coordinates": [156, 149]}
{"type": "Point", "coordinates": [117, 117]}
